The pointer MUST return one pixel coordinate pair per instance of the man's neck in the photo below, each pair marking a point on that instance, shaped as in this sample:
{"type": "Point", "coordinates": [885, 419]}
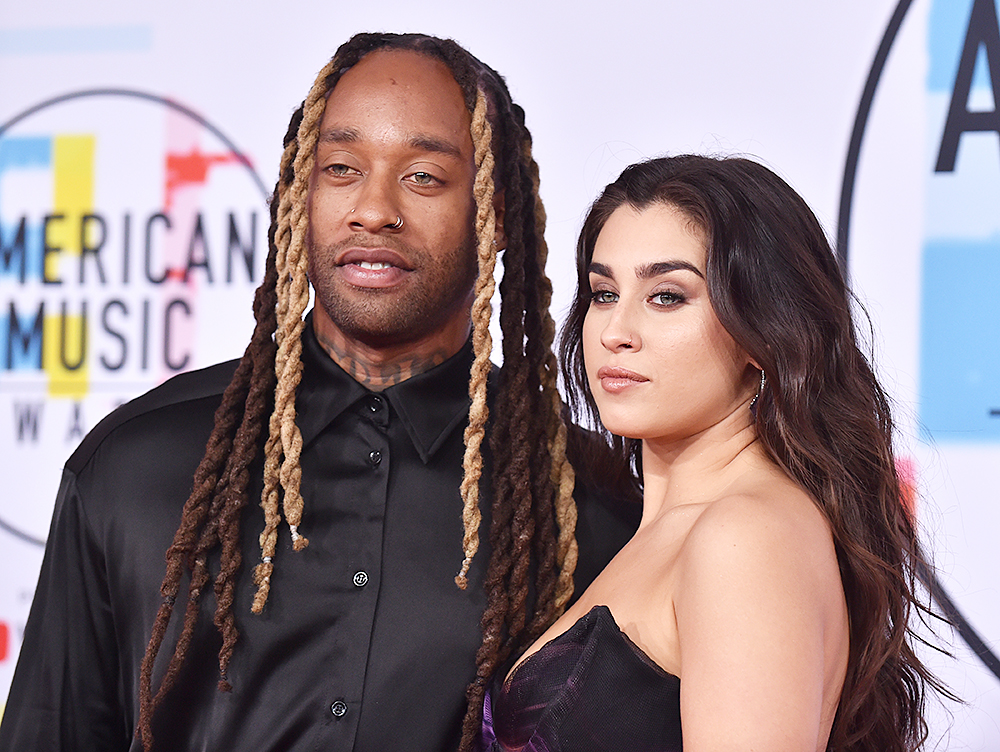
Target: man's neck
{"type": "Point", "coordinates": [378, 368]}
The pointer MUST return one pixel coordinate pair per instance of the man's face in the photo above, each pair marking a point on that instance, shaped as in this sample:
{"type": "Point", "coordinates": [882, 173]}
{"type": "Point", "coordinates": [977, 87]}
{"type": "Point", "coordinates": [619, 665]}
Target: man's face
{"type": "Point", "coordinates": [394, 145]}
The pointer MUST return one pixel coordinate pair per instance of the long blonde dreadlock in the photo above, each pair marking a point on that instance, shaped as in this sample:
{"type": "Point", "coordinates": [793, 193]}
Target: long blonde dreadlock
{"type": "Point", "coordinates": [284, 441]}
{"type": "Point", "coordinates": [482, 341]}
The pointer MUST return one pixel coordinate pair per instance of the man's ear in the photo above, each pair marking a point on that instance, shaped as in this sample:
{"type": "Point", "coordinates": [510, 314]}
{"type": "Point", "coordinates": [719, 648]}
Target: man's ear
{"type": "Point", "coordinates": [500, 236]}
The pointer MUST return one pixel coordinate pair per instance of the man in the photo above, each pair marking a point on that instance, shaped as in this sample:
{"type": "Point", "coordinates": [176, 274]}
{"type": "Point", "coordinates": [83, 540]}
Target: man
{"type": "Point", "coordinates": [361, 640]}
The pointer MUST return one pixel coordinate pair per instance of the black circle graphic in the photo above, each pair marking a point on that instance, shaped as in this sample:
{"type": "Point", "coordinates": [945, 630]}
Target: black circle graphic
{"type": "Point", "coordinates": [972, 638]}
{"type": "Point", "coordinates": [135, 94]}
{"type": "Point", "coordinates": [200, 119]}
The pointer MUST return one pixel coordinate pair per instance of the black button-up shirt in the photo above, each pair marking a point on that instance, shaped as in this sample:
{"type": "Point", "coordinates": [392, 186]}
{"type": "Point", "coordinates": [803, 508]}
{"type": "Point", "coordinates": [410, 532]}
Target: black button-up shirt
{"type": "Point", "coordinates": [365, 643]}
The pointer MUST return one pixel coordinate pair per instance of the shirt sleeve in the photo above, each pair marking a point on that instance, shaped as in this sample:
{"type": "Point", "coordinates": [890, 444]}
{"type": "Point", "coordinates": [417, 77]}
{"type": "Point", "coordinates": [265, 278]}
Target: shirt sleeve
{"type": "Point", "coordinates": [66, 693]}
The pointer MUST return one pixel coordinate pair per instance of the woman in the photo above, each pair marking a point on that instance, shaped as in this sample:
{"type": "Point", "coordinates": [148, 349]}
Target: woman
{"type": "Point", "coordinates": [765, 601]}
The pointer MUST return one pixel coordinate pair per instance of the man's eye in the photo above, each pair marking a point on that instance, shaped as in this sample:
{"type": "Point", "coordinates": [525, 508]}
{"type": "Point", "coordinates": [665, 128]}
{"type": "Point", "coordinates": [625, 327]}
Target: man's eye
{"type": "Point", "coordinates": [338, 169]}
{"type": "Point", "coordinates": [423, 178]}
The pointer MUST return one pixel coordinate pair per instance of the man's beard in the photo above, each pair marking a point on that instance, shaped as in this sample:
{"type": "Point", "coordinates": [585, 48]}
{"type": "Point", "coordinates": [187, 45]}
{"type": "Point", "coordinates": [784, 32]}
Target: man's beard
{"type": "Point", "coordinates": [392, 316]}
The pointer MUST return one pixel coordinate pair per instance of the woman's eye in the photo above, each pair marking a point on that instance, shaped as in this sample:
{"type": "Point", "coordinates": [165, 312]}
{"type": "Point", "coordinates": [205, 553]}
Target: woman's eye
{"type": "Point", "coordinates": [666, 298]}
{"type": "Point", "coordinates": [603, 296]}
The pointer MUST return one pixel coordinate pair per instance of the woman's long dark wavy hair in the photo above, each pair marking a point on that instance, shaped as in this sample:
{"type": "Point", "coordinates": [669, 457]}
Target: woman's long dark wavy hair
{"type": "Point", "coordinates": [776, 287]}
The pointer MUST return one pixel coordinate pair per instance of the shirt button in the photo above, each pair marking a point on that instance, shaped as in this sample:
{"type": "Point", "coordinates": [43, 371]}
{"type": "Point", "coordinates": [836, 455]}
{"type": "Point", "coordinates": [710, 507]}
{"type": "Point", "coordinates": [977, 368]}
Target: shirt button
{"type": "Point", "coordinates": [374, 403]}
{"type": "Point", "coordinates": [360, 578]}
{"type": "Point", "coordinates": [375, 457]}
{"type": "Point", "coordinates": [339, 708]}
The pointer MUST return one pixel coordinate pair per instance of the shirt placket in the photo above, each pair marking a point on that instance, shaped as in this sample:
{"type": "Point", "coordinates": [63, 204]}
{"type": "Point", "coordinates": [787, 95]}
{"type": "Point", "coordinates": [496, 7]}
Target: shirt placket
{"type": "Point", "coordinates": [363, 570]}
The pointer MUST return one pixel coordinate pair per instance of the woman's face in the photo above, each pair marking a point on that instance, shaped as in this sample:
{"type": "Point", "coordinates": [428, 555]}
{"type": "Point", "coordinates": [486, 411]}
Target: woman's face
{"type": "Point", "coordinates": [659, 363]}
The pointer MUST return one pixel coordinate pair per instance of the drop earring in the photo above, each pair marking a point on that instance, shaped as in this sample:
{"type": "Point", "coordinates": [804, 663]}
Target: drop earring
{"type": "Point", "coordinates": [760, 389]}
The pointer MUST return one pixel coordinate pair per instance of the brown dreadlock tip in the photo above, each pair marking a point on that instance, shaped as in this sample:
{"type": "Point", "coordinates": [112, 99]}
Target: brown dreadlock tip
{"type": "Point", "coordinates": [300, 543]}
{"type": "Point", "coordinates": [462, 581]}
{"type": "Point", "coordinates": [225, 686]}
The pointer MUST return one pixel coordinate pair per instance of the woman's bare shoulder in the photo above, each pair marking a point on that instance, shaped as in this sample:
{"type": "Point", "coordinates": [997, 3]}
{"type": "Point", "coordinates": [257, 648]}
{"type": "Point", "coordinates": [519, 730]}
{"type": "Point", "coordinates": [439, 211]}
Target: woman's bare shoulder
{"type": "Point", "coordinates": [765, 531]}
{"type": "Point", "coordinates": [761, 620]}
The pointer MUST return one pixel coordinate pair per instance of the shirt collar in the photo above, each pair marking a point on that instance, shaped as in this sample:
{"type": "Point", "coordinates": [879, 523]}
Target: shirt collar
{"type": "Point", "coordinates": [430, 405]}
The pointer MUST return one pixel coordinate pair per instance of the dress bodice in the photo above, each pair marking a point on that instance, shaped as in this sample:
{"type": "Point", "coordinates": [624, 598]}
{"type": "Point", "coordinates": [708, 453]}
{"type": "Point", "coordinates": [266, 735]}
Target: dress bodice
{"type": "Point", "coordinates": [590, 689]}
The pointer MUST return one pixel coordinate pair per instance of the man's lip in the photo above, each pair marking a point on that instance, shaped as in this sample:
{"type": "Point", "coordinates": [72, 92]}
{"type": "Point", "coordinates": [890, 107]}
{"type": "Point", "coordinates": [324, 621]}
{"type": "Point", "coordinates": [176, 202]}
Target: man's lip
{"type": "Point", "coordinates": [614, 372]}
{"type": "Point", "coordinates": [373, 256]}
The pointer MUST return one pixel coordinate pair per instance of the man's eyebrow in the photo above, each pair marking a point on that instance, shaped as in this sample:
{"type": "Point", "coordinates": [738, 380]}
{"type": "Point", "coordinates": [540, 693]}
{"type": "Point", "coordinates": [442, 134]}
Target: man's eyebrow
{"type": "Point", "coordinates": [339, 136]}
{"type": "Point", "coordinates": [420, 141]}
{"type": "Point", "coordinates": [433, 144]}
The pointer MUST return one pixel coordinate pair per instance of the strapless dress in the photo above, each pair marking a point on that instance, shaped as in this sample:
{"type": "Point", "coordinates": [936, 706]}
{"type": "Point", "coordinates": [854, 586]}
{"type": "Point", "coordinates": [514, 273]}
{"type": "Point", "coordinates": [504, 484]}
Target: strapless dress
{"type": "Point", "coordinates": [590, 689]}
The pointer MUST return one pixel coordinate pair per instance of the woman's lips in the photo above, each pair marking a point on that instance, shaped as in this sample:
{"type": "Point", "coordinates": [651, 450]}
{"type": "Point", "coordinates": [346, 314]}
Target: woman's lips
{"type": "Point", "coordinates": [615, 380]}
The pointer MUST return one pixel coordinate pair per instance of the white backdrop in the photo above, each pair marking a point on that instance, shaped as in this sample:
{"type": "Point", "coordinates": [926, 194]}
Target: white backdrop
{"type": "Point", "coordinates": [602, 85]}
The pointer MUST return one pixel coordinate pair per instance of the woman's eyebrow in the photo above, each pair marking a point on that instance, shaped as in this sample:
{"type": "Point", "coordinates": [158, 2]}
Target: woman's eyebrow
{"type": "Point", "coordinates": [601, 270]}
{"type": "Point", "coordinates": [655, 269]}
{"type": "Point", "coordinates": [647, 271]}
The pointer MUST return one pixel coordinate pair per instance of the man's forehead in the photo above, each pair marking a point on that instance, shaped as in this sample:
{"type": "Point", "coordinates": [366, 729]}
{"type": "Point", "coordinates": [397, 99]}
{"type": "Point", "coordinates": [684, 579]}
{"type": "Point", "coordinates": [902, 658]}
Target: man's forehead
{"type": "Point", "coordinates": [398, 95]}
{"type": "Point", "coordinates": [410, 69]}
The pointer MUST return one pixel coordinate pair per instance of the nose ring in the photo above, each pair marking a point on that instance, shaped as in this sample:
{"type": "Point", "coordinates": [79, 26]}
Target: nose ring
{"type": "Point", "coordinates": [398, 224]}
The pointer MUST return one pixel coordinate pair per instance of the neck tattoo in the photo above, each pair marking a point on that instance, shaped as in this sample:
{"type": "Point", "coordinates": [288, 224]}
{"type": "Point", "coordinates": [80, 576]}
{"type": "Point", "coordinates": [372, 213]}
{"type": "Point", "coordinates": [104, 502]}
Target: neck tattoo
{"type": "Point", "coordinates": [378, 376]}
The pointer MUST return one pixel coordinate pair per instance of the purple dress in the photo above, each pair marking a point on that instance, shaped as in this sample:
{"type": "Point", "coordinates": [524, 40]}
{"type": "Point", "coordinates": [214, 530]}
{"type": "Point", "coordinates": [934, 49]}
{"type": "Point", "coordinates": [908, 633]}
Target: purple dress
{"type": "Point", "coordinates": [588, 690]}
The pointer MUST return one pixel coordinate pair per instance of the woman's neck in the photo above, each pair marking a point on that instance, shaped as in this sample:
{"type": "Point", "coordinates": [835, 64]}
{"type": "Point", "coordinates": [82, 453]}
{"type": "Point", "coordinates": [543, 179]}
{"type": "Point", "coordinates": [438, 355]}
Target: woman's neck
{"type": "Point", "coordinates": [699, 468]}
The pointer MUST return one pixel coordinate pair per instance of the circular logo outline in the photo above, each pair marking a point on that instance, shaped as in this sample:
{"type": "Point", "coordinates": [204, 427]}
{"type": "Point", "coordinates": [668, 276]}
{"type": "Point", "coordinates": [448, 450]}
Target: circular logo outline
{"type": "Point", "coordinates": [136, 94]}
{"type": "Point", "coordinates": [951, 611]}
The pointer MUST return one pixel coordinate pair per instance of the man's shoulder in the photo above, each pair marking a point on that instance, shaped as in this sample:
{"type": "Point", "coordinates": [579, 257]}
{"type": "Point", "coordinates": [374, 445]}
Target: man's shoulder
{"type": "Point", "coordinates": [602, 474]}
{"type": "Point", "coordinates": [177, 399]}
{"type": "Point", "coordinates": [608, 500]}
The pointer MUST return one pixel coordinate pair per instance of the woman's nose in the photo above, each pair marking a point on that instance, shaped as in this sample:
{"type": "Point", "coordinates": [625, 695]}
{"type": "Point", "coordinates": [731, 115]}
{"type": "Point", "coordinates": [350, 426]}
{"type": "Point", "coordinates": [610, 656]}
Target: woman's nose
{"type": "Point", "coordinates": [618, 335]}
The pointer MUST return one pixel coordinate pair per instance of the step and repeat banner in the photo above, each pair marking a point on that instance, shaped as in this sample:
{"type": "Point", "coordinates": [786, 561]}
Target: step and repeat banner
{"type": "Point", "coordinates": [138, 147]}
{"type": "Point", "coordinates": [919, 229]}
